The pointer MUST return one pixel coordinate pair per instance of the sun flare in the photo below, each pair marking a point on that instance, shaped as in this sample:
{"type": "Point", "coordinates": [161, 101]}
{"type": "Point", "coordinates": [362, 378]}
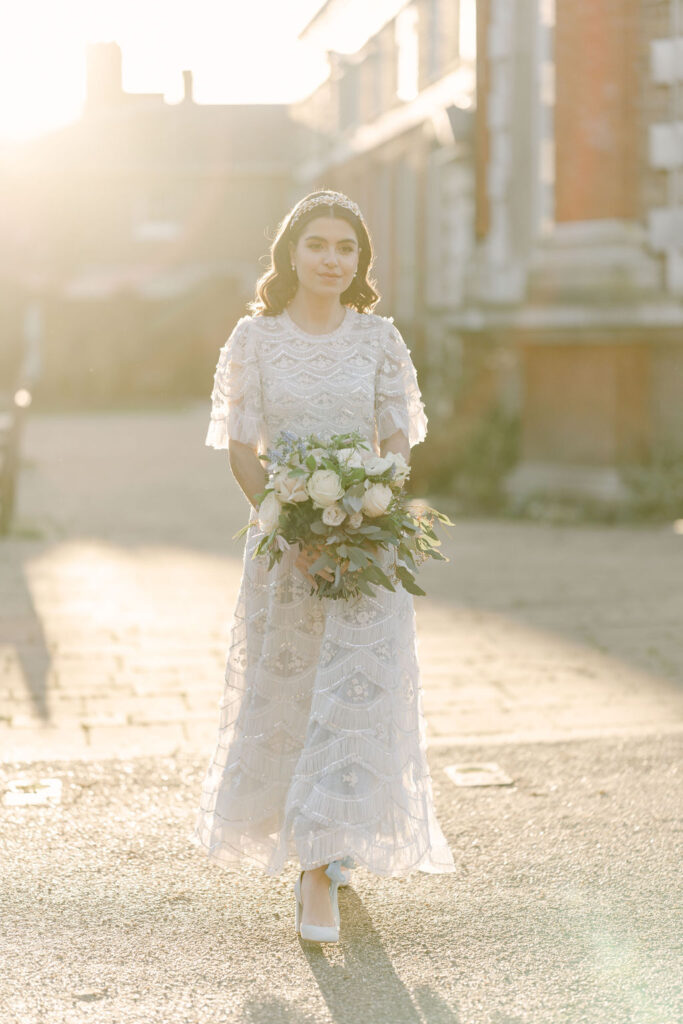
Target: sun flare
{"type": "Point", "coordinates": [238, 54]}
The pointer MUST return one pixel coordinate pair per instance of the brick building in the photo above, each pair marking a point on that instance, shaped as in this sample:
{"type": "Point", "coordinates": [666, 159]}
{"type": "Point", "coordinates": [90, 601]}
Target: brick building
{"type": "Point", "coordinates": [582, 215]}
{"type": "Point", "coordinates": [525, 194]}
{"type": "Point", "coordinates": [520, 166]}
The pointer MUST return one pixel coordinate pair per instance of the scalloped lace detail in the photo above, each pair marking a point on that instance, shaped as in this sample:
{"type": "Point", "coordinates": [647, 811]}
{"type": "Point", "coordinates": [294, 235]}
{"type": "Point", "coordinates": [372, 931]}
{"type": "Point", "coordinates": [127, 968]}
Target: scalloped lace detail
{"type": "Point", "coordinates": [271, 377]}
{"type": "Point", "coordinates": [321, 749]}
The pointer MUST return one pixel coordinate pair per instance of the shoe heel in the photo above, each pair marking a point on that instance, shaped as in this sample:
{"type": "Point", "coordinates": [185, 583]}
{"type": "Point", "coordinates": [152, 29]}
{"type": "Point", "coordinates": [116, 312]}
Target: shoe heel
{"type": "Point", "coordinates": [334, 873]}
{"type": "Point", "coordinates": [298, 907]}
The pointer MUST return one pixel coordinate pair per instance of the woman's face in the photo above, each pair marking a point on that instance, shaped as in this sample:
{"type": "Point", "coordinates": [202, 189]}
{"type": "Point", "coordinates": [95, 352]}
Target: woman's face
{"type": "Point", "coordinates": [326, 256]}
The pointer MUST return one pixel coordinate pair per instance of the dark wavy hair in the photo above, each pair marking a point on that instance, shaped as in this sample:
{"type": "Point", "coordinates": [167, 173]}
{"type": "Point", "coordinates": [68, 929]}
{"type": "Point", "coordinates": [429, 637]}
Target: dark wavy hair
{"type": "Point", "coordinates": [278, 285]}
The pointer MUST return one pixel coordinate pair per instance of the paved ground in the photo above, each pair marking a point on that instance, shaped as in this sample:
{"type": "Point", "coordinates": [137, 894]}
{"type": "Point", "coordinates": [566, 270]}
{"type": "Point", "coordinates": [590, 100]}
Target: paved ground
{"type": "Point", "coordinates": [116, 616]}
{"type": "Point", "coordinates": [565, 907]}
{"type": "Point", "coordinates": [554, 651]}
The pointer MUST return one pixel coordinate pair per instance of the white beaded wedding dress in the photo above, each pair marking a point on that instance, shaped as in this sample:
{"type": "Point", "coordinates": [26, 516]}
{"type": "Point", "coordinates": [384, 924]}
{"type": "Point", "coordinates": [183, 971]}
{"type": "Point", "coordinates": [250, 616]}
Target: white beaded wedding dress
{"type": "Point", "coordinates": [321, 748]}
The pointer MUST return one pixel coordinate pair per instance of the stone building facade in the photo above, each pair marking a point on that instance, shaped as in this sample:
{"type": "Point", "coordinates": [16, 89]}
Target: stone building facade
{"type": "Point", "coordinates": [524, 187]}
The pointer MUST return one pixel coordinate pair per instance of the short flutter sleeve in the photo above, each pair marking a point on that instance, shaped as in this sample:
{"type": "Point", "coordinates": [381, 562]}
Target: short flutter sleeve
{"type": "Point", "coordinates": [236, 403]}
{"type": "Point", "coordinates": [398, 401]}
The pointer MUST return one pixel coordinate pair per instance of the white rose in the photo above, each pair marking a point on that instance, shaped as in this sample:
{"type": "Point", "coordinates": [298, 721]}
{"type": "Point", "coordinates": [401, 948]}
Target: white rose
{"type": "Point", "coordinates": [355, 520]}
{"type": "Point", "coordinates": [334, 515]}
{"type": "Point", "coordinates": [375, 464]}
{"type": "Point", "coordinates": [289, 488]}
{"type": "Point", "coordinates": [350, 457]}
{"type": "Point", "coordinates": [376, 499]}
{"type": "Point", "coordinates": [324, 487]}
{"type": "Point", "coordinates": [269, 512]}
{"type": "Point", "coordinates": [402, 467]}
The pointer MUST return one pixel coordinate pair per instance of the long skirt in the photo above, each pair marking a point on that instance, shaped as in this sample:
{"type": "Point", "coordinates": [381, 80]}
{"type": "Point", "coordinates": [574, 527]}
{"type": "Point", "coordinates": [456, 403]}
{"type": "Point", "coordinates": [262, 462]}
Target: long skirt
{"type": "Point", "coordinates": [321, 748]}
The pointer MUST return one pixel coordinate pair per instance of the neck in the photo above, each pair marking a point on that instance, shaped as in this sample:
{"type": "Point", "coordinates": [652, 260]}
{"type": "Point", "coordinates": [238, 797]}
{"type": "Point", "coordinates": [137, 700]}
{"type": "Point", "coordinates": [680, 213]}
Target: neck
{"type": "Point", "coordinates": [316, 312]}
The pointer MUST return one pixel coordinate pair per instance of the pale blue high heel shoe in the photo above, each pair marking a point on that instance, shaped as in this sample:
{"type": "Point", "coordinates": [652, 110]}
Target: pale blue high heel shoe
{"type": "Point", "coordinates": [323, 933]}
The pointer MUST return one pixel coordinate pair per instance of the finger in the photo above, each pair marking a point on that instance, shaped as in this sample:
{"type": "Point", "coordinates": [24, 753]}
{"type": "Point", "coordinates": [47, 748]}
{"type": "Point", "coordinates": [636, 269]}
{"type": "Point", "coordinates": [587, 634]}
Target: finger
{"type": "Point", "coordinates": [311, 579]}
{"type": "Point", "coordinates": [302, 565]}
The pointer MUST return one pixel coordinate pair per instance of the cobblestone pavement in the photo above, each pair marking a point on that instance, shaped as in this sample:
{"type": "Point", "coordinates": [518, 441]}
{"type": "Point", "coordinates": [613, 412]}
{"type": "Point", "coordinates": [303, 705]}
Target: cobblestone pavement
{"type": "Point", "coordinates": [118, 586]}
{"type": "Point", "coordinates": [553, 651]}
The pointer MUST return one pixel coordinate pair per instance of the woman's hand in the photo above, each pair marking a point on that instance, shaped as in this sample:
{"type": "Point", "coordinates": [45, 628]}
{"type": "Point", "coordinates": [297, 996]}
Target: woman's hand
{"type": "Point", "coordinates": [305, 558]}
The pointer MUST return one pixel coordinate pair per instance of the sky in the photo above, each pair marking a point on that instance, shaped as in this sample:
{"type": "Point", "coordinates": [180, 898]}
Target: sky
{"type": "Point", "coordinates": [240, 51]}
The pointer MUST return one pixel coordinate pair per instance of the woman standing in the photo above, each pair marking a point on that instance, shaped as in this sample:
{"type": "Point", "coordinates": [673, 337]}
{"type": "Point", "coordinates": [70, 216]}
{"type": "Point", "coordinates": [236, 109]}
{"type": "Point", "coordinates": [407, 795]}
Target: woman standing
{"type": "Point", "coordinates": [321, 751]}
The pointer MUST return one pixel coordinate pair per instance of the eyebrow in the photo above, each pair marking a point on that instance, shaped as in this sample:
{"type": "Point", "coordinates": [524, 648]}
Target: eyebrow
{"type": "Point", "coordinates": [320, 238]}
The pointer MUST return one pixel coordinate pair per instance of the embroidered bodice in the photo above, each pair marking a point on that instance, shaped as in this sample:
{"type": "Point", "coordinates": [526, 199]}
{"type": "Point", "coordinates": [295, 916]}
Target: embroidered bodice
{"type": "Point", "coordinates": [271, 375]}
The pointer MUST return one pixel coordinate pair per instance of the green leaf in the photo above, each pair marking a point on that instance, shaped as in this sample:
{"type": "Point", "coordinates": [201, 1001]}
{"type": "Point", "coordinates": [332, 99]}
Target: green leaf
{"type": "Point", "coordinates": [364, 586]}
{"type": "Point", "coordinates": [351, 503]}
{"type": "Point", "coordinates": [441, 516]}
{"type": "Point", "coordinates": [405, 554]}
{"type": "Point", "coordinates": [317, 526]}
{"type": "Point", "coordinates": [357, 557]}
{"type": "Point", "coordinates": [384, 535]}
{"type": "Point", "coordinates": [311, 463]}
{"type": "Point", "coordinates": [431, 541]}
{"type": "Point", "coordinates": [408, 581]}
{"type": "Point", "coordinates": [324, 562]}
{"type": "Point", "coordinates": [375, 575]}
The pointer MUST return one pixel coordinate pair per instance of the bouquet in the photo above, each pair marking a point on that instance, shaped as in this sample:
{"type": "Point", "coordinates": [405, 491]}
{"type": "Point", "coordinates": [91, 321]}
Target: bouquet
{"type": "Point", "coordinates": [340, 498]}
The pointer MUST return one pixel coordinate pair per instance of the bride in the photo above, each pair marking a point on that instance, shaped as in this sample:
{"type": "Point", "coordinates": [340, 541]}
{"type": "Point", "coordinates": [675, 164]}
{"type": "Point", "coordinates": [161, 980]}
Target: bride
{"type": "Point", "coordinates": [321, 751]}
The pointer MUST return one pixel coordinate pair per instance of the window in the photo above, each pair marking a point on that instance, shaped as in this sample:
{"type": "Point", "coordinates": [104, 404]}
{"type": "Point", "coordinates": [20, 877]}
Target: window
{"type": "Point", "coordinates": [406, 54]}
{"type": "Point", "coordinates": [433, 39]}
{"type": "Point", "coordinates": [450, 228]}
{"type": "Point", "coordinates": [348, 97]}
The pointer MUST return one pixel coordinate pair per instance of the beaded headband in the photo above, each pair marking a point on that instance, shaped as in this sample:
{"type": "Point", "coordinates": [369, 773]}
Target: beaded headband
{"type": "Point", "coordinates": [327, 199]}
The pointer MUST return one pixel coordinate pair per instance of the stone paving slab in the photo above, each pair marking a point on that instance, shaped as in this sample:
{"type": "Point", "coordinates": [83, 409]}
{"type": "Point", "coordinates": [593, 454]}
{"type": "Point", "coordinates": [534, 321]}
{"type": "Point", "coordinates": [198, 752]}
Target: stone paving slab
{"type": "Point", "coordinates": [119, 581]}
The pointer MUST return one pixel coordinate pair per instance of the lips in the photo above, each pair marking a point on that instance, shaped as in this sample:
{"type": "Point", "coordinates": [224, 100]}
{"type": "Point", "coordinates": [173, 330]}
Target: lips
{"type": "Point", "coordinates": [331, 277]}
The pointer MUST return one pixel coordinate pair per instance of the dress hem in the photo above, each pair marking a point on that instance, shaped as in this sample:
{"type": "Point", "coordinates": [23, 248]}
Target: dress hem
{"type": "Point", "coordinates": [241, 859]}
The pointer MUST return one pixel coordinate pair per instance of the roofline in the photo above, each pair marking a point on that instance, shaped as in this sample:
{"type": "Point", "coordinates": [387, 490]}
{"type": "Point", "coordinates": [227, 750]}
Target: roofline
{"type": "Point", "coordinates": [311, 22]}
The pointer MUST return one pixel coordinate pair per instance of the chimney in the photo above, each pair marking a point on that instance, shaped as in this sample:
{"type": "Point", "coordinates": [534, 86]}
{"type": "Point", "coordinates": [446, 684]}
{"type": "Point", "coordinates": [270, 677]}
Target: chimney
{"type": "Point", "coordinates": [187, 83]}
